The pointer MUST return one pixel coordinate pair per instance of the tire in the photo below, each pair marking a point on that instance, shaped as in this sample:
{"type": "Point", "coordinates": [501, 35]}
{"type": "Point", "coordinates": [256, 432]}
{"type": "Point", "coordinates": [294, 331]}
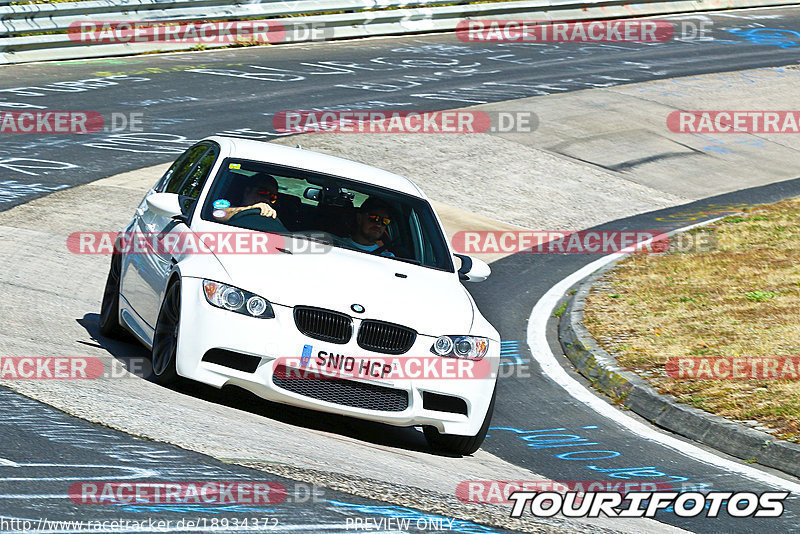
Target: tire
{"type": "Point", "coordinates": [165, 338]}
{"type": "Point", "coordinates": [109, 309]}
{"type": "Point", "coordinates": [460, 445]}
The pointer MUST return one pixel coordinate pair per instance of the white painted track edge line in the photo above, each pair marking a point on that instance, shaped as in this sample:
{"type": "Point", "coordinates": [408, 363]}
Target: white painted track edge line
{"type": "Point", "coordinates": [540, 350]}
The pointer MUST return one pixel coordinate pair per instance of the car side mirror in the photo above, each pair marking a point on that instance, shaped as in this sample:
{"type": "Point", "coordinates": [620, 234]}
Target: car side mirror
{"type": "Point", "coordinates": [164, 204]}
{"type": "Point", "coordinates": [473, 269]}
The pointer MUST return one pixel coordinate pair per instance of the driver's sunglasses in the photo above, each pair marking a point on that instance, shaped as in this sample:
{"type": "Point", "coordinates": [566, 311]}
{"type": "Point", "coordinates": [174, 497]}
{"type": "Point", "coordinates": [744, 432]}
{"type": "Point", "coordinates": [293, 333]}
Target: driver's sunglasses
{"type": "Point", "coordinates": [380, 220]}
{"type": "Point", "coordinates": [269, 195]}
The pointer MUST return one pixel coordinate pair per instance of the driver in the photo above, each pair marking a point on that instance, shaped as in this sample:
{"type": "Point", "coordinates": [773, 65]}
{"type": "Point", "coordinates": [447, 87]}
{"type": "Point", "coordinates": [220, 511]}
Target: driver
{"type": "Point", "coordinates": [372, 219]}
{"type": "Point", "coordinates": [261, 191]}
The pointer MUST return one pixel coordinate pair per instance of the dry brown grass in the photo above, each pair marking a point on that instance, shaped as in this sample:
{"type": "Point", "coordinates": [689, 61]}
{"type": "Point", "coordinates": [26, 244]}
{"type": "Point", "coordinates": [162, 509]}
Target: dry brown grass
{"type": "Point", "coordinates": [742, 299]}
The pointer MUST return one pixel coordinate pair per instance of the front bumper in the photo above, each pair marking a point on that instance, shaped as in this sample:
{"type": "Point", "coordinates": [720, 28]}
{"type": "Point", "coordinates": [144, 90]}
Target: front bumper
{"type": "Point", "coordinates": [273, 341]}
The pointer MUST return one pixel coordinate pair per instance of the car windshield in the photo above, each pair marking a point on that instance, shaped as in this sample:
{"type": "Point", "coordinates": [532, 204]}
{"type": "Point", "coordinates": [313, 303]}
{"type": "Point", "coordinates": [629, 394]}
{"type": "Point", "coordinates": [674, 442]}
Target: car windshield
{"type": "Point", "coordinates": [343, 213]}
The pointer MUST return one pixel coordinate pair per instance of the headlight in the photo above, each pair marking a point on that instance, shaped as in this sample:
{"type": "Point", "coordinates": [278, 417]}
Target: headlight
{"type": "Point", "coordinates": [468, 347]}
{"type": "Point", "coordinates": [237, 300]}
{"type": "Point", "coordinates": [443, 346]}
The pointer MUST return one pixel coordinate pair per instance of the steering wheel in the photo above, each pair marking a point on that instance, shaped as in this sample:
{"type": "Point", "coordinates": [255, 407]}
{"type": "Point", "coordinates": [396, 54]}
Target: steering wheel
{"type": "Point", "coordinates": [245, 213]}
{"type": "Point", "coordinates": [253, 220]}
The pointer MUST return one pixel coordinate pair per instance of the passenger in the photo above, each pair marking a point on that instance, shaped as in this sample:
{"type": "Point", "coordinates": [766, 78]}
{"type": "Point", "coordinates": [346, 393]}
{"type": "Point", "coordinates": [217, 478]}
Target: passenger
{"type": "Point", "coordinates": [372, 219]}
{"type": "Point", "coordinates": [260, 191]}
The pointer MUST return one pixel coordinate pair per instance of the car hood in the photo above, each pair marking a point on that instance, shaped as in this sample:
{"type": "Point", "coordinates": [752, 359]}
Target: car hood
{"type": "Point", "coordinates": [430, 301]}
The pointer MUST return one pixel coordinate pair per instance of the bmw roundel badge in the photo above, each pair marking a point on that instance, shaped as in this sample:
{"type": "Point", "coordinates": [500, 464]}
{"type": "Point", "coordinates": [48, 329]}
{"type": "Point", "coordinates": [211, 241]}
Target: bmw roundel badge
{"type": "Point", "coordinates": [358, 308]}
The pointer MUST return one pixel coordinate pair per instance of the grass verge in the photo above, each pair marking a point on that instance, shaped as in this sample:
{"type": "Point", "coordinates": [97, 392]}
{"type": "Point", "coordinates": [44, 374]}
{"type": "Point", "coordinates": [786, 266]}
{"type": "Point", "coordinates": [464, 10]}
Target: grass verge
{"type": "Point", "coordinates": [740, 300]}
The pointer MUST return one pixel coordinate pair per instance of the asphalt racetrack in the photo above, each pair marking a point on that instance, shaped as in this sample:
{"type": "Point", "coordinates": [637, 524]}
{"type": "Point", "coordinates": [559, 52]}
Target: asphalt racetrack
{"type": "Point", "coordinates": [185, 97]}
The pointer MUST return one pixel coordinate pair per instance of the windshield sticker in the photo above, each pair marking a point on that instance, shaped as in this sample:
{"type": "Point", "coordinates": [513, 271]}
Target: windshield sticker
{"type": "Point", "coordinates": [219, 214]}
{"type": "Point", "coordinates": [235, 166]}
{"type": "Point", "coordinates": [221, 204]}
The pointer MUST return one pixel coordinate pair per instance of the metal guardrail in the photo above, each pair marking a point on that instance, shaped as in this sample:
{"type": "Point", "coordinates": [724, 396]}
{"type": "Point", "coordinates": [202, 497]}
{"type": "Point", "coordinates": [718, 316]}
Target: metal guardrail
{"type": "Point", "coordinates": [39, 32]}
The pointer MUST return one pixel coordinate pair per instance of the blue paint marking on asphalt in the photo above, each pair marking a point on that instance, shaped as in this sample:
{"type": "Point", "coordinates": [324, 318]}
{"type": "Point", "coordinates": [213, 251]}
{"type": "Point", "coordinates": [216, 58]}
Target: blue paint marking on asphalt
{"type": "Point", "coordinates": [766, 37]}
{"type": "Point", "coordinates": [551, 438]}
{"type": "Point", "coordinates": [419, 518]}
{"type": "Point", "coordinates": [729, 144]}
{"type": "Point", "coordinates": [558, 438]}
{"type": "Point", "coordinates": [510, 353]}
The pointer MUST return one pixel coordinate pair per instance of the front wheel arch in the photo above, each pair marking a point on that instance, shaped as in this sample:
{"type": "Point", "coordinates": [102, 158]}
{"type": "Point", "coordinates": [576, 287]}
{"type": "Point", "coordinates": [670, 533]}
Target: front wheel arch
{"type": "Point", "coordinates": [164, 353]}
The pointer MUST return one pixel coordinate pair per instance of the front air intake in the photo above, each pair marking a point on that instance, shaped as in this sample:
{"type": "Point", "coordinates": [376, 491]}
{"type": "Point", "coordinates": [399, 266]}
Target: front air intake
{"type": "Point", "coordinates": [339, 391]}
{"type": "Point", "coordinates": [443, 403]}
{"type": "Point", "coordinates": [233, 360]}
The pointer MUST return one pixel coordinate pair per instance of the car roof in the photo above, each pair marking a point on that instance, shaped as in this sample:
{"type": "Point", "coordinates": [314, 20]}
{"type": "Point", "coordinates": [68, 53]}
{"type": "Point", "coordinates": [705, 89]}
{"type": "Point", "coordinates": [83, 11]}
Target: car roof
{"type": "Point", "coordinates": [315, 161]}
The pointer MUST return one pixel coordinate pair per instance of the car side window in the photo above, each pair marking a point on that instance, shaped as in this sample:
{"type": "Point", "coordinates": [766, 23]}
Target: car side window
{"type": "Point", "coordinates": [176, 175]}
{"type": "Point", "coordinates": [428, 248]}
{"type": "Point", "coordinates": [190, 189]}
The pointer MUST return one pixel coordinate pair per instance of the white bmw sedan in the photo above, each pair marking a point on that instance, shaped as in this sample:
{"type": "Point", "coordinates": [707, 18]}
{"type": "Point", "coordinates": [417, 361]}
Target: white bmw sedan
{"type": "Point", "coordinates": [309, 280]}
